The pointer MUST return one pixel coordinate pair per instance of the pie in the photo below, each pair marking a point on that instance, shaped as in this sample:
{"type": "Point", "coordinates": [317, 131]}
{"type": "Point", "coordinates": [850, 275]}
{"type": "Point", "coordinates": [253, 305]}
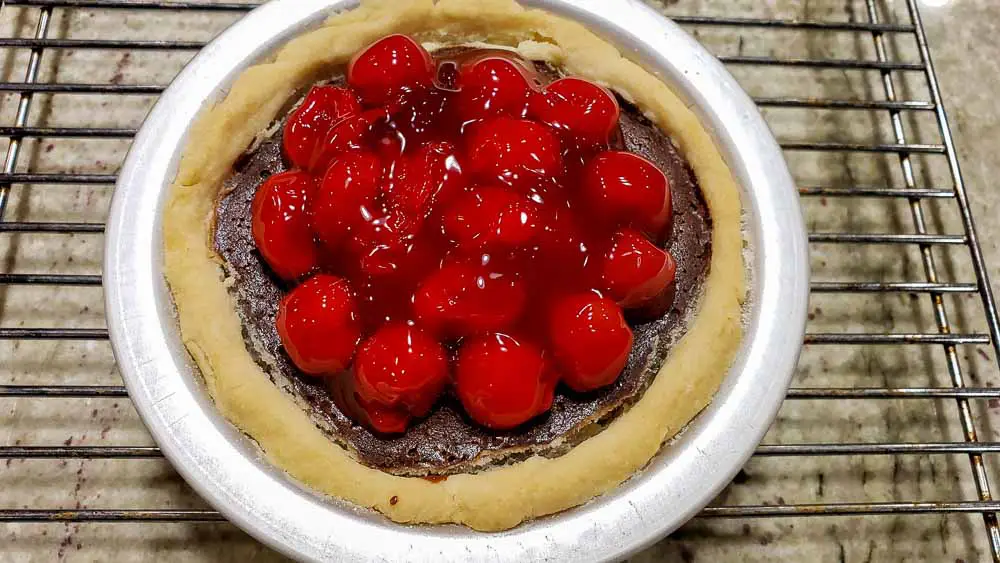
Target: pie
{"type": "Point", "coordinates": [456, 262]}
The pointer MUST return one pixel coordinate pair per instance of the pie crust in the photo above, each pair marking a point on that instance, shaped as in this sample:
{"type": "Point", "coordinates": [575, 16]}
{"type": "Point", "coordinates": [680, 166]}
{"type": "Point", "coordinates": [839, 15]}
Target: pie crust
{"type": "Point", "coordinates": [500, 497]}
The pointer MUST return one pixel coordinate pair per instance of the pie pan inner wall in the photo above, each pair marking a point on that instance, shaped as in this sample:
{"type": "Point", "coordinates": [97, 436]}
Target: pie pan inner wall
{"type": "Point", "coordinates": [226, 468]}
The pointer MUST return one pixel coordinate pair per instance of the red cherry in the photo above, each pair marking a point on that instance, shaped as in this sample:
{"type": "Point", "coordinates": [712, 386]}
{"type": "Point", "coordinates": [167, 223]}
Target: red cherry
{"type": "Point", "coordinates": [383, 244]}
{"type": "Point", "coordinates": [346, 196]}
{"type": "Point", "coordinates": [516, 152]}
{"type": "Point", "coordinates": [635, 271]}
{"type": "Point", "coordinates": [423, 180]}
{"type": "Point", "coordinates": [589, 339]}
{"type": "Point", "coordinates": [318, 324]}
{"type": "Point", "coordinates": [378, 418]}
{"type": "Point", "coordinates": [494, 86]}
{"type": "Point", "coordinates": [388, 66]}
{"type": "Point", "coordinates": [382, 419]}
{"type": "Point", "coordinates": [578, 106]}
{"type": "Point", "coordinates": [281, 217]}
{"type": "Point", "coordinates": [463, 298]}
{"type": "Point", "coordinates": [627, 189]}
{"type": "Point", "coordinates": [503, 381]}
{"type": "Point", "coordinates": [402, 366]}
{"type": "Point", "coordinates": [491, 217]}
{"type": "Point", "coordinates": [349, 134]}
{"type": "Point", "coordinates": [309, 123]}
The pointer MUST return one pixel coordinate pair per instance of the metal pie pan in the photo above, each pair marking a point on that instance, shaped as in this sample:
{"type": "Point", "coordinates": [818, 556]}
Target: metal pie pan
{"type": "Point", "coordinates": [226, 468]}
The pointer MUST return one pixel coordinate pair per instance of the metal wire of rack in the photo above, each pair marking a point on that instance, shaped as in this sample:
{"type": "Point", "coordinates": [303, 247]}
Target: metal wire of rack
{"type": "Point", "coordinates": [33, 33]}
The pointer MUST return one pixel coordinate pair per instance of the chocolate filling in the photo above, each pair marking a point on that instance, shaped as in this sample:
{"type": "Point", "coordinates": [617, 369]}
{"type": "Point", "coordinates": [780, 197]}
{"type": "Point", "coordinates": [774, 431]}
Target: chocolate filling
{"type": "Point", "coordinates": [447, 441]}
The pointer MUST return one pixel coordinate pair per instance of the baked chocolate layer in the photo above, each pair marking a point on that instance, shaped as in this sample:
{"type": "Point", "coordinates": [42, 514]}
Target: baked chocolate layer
{"type": "Point", "coordinates": [447, 441]}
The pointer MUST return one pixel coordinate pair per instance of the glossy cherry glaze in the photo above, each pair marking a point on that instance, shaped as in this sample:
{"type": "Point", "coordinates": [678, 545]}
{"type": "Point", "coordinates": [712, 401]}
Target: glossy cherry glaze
{"type": "Point", "coordinates": [482, 224]}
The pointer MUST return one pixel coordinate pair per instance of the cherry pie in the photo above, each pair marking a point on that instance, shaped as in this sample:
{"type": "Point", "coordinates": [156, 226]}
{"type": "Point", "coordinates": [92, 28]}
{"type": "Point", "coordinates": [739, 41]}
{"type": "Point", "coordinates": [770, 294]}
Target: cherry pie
{"type": "Point", "coordinates": [459, 267]}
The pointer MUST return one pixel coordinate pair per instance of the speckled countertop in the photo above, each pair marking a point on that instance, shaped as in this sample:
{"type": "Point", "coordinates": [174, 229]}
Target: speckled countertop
{"type": "Point", "coordinates": [962, 41]}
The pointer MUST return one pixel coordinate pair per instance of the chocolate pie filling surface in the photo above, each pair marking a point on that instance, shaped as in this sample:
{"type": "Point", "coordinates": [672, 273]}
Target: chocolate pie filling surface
{"type": "Point", "coordinates": [447, 441]}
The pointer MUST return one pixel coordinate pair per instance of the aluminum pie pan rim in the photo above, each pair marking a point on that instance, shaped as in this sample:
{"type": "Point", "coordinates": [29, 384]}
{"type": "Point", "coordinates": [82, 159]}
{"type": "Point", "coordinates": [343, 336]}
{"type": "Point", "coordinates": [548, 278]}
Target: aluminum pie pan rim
{"type": "Point", "coordinates": [226, 468]}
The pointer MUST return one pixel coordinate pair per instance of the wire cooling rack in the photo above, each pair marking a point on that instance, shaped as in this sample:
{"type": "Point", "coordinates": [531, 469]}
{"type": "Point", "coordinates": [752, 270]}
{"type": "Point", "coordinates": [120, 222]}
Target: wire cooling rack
{"type": "Point", "coordinates": [875, 455]}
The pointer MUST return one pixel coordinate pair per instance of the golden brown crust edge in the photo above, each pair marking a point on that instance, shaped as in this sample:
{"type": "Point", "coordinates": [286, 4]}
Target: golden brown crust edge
{"type": "Point", "coordinates": [501, 497]}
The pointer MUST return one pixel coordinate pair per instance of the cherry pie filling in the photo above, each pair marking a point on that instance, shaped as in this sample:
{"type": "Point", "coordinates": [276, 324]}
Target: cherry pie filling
{"type": "Point", "coordinates": [461, 227]}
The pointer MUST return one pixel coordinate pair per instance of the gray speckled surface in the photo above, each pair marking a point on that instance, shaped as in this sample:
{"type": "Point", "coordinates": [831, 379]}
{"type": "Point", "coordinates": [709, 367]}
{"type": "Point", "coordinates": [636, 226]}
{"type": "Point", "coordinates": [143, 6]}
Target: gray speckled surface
{"type": "Point", "coordinates": [961, 35]}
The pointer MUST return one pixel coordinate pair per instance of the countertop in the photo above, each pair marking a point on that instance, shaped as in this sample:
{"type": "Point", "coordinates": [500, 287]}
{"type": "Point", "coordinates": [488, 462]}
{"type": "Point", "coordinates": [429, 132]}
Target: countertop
{"type": "Point", "coordinates": [965, 55]}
